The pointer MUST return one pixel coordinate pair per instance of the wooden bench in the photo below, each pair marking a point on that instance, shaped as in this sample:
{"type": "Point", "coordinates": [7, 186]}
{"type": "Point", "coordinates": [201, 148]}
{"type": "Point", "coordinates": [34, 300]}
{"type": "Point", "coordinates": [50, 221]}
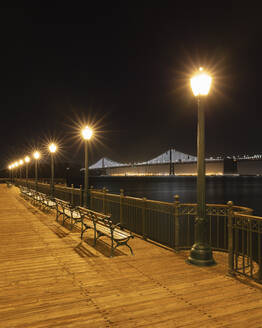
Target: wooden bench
{"type": "Point", "coordinates": [26, 192]}
{"type": "Point", "coordinates": [67, 211]}
{"type": "Point", "coordinates": [48, 203]}
{"type": "Point", "coordinates": [103, 226]}
{"type": "Point", "coordinates": [37, 198]}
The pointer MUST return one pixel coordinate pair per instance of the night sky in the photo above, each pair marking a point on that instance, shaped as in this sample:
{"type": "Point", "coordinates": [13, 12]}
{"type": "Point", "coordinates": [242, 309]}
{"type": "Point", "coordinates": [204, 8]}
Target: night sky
{"type": "Point", "coordinates": [124, 67]}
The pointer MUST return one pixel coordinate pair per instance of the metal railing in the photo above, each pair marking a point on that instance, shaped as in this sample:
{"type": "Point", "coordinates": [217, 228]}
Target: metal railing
{"type": "Point", "coordinates": [169, 223]}
{"type": "Point", "coordinates": [245, 245]}
{"type": "Point", "coordinates": [70, 194]}
{"type": "Point", "coordinates": [230, 228]}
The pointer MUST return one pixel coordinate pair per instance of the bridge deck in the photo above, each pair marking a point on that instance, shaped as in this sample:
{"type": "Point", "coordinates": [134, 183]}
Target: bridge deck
{"type": "Point", "coordinates": [49, 279]}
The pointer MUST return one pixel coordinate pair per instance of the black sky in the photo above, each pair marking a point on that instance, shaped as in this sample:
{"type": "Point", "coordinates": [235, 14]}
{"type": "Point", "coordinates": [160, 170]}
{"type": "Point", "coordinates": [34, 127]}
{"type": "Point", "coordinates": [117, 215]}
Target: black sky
{"type": "Point", "coordinates": [126, 65]}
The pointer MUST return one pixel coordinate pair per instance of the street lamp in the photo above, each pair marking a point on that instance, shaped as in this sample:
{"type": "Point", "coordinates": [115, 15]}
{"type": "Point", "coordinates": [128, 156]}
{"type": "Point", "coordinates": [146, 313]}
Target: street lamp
{"type": "Point", "coordinates": [86, 134]}
{"type": "Point", "coordinates": [27, 160]}
{"type": "Point", "coordinates": [201, 252]}
{"type": "Point", "coordinates": [36, 157]}
{"type": "Point", "coordinates": [52, 148]}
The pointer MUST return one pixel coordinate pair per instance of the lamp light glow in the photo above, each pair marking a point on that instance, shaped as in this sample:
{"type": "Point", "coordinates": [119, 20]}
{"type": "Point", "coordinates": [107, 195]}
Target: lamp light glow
{"type": "Point", "coordinates": [200, 83]}
{"type": "Point", "coordinates": [52, 148]}
{"type": "Point", "coordinates": [36, 155]}
{"type": "Point", "coordinates": [27, 159]}
{"type": "Point", "coordinates": [21, 162]}
{"type": "Point", "coordinates": [87, 133]}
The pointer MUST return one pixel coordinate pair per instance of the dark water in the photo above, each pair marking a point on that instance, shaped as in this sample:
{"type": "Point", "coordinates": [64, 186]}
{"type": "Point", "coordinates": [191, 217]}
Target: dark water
{"type": "Point", "coordinates": [243, 191]}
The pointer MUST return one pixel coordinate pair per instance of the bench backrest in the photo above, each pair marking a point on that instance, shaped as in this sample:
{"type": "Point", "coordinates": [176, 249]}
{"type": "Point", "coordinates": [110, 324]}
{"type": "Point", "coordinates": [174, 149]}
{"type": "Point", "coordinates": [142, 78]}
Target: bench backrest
{"type": "Point", "coordinates": [95, 216]}
{"type": "Point", "coordinates": [62, 204]}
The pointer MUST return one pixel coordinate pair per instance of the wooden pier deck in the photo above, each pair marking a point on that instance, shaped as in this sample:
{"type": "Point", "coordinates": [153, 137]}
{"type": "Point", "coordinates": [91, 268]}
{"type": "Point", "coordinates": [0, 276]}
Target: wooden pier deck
{"type": "Point", "coordinates": [48, 278]}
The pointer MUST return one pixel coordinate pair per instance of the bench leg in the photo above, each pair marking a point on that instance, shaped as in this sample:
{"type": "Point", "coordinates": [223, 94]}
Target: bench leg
{"type": "Point", "coordinates": [112, 248]}
{"type": "Point", "coordinates": [83, 229]}
{"type": "Point", "coordinates": [124, 243]}
{"type": "Point", "coordinates": [130, 249]}
{"type": "Point", "coordinates": [94, 237]}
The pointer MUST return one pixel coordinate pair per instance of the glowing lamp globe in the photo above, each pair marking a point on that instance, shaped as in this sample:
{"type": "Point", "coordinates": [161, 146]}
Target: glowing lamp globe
{"type": "Point", "coordinates": [52, 148]}
{"type": "Point", "coordinates": [87, 133]}
{"type": "Point", "coordinates": [21, 162]}
{"type": "Point", "coordinates": [200, 83]}
{"type": "Point", "coordinates": [27, 159]}
{"type": "Point", "coordinates": [36, 155]}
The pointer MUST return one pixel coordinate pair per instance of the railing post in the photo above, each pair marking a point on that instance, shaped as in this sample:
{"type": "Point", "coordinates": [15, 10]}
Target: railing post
{"type": "Point", "coordinates": [144, 205]}
{"type": "Point", "coordinates": [72, 194]}
{"type": "Point", "coordinates": [91, 197]}
{"type": "Point", "coordinates": [230, 239]}
{"type": "Point", "coordinates": [104, 199]}
{"type": "Point", "coordinates": [81, 195]}
{"type": "Point", "coordinates": [121, 207]}
{"type": "Point", "coordinates": [176, 219]}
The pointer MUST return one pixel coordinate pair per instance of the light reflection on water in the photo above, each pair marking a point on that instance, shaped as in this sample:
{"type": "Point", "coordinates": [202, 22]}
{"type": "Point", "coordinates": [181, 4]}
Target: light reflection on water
{"type": "Point", "coordinates": [243, 191]}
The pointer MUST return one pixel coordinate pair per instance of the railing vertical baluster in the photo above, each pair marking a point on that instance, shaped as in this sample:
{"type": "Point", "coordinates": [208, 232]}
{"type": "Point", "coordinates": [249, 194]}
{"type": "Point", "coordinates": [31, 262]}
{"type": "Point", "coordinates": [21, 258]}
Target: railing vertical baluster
{"type": "Point", "coordinates": [121, 207]}
{"type": "Point", "coordinates": [247, 251]}
{"type": "Point", "coordinates": [243, 246]}
{"type": "Point", "coordinates": [72, 194]}
{"type": "Point", "coordinates": [218, 232]}
{"type": "Point", "coordinates": [177, 225]}
{"type": "Point", "coordinates": [225, 232]}
{"type": "Point", "coordinates": [104, 199]}
{"type": "Point", "coordinates": [81, 195]}
{"type": "Point", "coordinates": [250, 248]}
{"type": "Point", "coordinates": [188, 231]}
{"type": "Point", "coordinates": [210, 229]}
{"type": "Point", "coordinates": [144, 205]}
{"type": "Point", "coordinates": [236, 249]}
{"type": "Point", "coordinates": [259, 245]}
{"type": "Point", "coordinates": [230, 239]}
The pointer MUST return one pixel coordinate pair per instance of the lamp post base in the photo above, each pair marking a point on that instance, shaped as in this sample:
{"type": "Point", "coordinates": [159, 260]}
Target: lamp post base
{"type": "Point", "coordinates": [201, 255]}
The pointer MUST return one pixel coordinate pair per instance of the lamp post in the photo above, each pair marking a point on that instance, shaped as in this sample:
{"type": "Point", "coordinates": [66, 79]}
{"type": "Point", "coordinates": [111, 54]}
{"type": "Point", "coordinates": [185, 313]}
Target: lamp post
{"type": "Point", "coordinates": [201, 252]}
{"type": "Point", "coordinates": [21, 162]}
{"type": "Point", "coordinates": [27, 160]}
{"type": "Point", "coordinates": [52, 148]}
{"type": "Point", "coordinates": [36, 157]}
{"type": "Point", "coordinates": [10, 172]}
{"type": "Point", "coordinates": [86, 134]}
{"type": "Point", "coordinates": [16, 166]}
